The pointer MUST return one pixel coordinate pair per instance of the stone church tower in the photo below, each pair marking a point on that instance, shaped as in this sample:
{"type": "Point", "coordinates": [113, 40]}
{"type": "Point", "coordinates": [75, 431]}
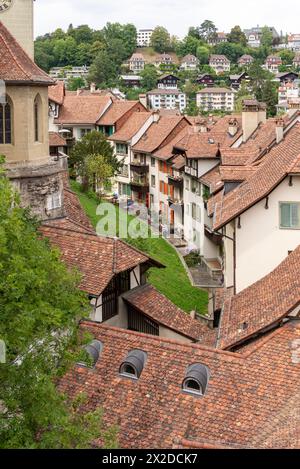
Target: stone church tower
{"type": "Point", "coordinates": [17, 15]}
{"type": "Point", "coordinates": [24, 139]}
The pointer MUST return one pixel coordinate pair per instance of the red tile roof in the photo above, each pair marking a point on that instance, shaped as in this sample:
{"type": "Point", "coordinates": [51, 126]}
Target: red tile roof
{"type": "Point", "coordinates": [262, 304]}
{"type": "Point", "coordinates": [74, 210]}
{"type": "Point", "coordinates": [131, 127]}
{"type": "Point", "coordinates": [247, 395]}
{"type": "Point", "coordinates": [97, 258]}
{"type": "Point", "coordinates": [82, 109]}
{"type": "Point", "coordinates": [117, 110]}
{"type": "Point", "coordinates": [15, 65]}
{"type": "Point", "coordinates": [56, 140]}
{"type": "Point", "coordinates": [273, 169]}
{"type": "Point", "coordinates": [166, 152]}
{"type": "Point", "coordinates": [56, 92]}
{"type": "Point", "coordinates": [155, 305]}
{"type": "Point", "coordinates": [212, 179]}
{"type": "Point", "coordinates": [158, 133]}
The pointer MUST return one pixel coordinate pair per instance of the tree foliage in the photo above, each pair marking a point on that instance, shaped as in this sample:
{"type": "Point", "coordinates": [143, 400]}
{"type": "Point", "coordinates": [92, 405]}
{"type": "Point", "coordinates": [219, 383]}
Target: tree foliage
{"type": "Point", "coordinates": [237, 36]}
{"type": "Point", "coordinates": [161, 40]}
{"type": "Point", "coordinates": [40, 305]}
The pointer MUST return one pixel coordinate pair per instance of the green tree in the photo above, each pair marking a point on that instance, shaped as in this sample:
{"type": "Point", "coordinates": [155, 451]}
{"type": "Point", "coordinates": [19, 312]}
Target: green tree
{"type": "Point", "coordinates": [231, 50]}
{"type": "Point", "coordinates": [97, 172]}
{"type": "Point", "coordinates": [269, 95]}
{"type": "Point", "coordinates": [207, 30]}
{"type": "Point", "coordinates": [243, 93]}
{"type": "Point", "coordinates": [40, 306]}
{"type": "Point", "coordinates": [203, 54]}
{"type": "Point", "coordinates": [82, 34]}
{"type": "Point", "coordinates": [75, 84]}
{"type": "Point", "coordinates": [149, 77]}
{"type": "Point", "coordinates": [160, 40]}
{"type": "Point", "coordinates": [237, 36]}
{"type": "Point", "coordinates": [103, 70]}
{"type": "Point", "coordinates": [287, 56]}
{"type": "Point", "coordinates": [94, 143]}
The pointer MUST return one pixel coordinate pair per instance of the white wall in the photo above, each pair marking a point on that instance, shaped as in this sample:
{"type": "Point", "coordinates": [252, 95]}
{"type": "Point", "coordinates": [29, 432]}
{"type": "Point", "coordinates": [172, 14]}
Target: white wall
{"type": "Point", "coordinates": [261, 245]}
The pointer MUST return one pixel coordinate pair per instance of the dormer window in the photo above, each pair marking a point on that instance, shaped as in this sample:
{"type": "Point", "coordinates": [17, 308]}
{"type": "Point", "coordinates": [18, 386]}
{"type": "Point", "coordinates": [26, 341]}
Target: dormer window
{"type": "Point", "coordinates": [196, 379]}
{"type": "Point", "coordinates": [6, 123]}
{"type": "Point", "coordinates": [133, 365]}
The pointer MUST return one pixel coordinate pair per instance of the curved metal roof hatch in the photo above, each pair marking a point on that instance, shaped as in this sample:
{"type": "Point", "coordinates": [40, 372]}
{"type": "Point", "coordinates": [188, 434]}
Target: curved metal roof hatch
{"type": "Point", "coordinates": [196, 379]}
{"type": "Point", "coordinates": [93, 349]}
{"type": "Point", "coordinates": [134, 364]}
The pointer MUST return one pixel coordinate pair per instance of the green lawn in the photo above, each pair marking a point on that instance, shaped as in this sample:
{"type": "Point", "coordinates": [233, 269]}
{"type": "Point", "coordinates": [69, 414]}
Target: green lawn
{"type": "Point", "coordinates": [172, 281]}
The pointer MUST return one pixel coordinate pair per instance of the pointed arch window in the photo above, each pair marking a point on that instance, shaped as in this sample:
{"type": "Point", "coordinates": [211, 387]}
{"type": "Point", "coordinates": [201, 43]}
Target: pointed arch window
{"type": "Point", "coordinates": [37, 116]}
{"type": "Point", "coordinates": [6, 122]}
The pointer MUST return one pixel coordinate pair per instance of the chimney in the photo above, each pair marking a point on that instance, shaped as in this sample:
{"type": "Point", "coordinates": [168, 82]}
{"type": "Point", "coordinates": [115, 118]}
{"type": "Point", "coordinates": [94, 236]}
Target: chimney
{"type": "Point", "coordinates": [233, 127]}
{"type": "Point", "coordinates": [279, 130]}
{"type": "Point", "coordinates": [93, 87]}
{"type": "Point", "coordinates": [156, 116]}
{"type": "Point", "coordinates": [200, 125]}
{"type": "Point", "coordinates": [143, 100]}
{"type": "Point", "coordinates": [254, 113]}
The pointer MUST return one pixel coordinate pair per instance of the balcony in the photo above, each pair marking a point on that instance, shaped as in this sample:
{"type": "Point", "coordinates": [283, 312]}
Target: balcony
{"type": "Point", "coordinates": [175, 201]}
{"type": "Point", "coordinates": [139, 167]}
{"type": "Point", "coordinates": [175, 181]}
{"type": "Point", "coordinates": [139, 185]}
{"type": "Point", "coordinates": [191, 171]}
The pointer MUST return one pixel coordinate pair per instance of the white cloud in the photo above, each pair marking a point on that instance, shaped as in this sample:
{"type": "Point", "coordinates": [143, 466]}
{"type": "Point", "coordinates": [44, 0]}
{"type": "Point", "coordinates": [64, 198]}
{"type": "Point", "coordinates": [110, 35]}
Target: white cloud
{"type": "Point", "coordinates": [176, 15]}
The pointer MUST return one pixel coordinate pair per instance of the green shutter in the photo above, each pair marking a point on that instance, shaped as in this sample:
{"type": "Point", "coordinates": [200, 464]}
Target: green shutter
{"type": "Point", "coordinates": [295, 215]}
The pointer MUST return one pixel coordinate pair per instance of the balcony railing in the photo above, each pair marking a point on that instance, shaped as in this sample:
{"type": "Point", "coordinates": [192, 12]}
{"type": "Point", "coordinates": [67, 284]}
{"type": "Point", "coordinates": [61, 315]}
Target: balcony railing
{"type": "Point", "coordinates": [139, 185]}
{"type": "Point", "coordinates": [175, 181]}
{"type": "Point", "coordinates": [175, 201]}
{"type": "Point", "coordinates": [139, 167]}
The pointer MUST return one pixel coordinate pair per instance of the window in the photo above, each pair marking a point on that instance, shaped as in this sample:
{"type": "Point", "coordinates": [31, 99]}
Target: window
{"type": "Point", "coordinates": [122, 148]}
{"type": "Point", "coordinates": [6, 123]}
{"type": "Point", "coordinates": [161, 187]}
{"type": "Point", "coordinates": [152, 162]}
{"type": "Point", "coordinates": [187, 184]}
{"type": "Point", "coordinates": [196, 379]}
{"type": "Point", "coordinates": [196, 213]}
{"type": "Point", "coordinates": [290, 215]}
{"type": "Point", "coordinates": [124, 171]}
{"type": "Point", "coordinates": [37, 119]}
{"type": "Point", "coordinates": [54, 201]}
{"type": "Point", "coordinates": [84, 132]}
{"type": "Point", "coordinates": [153, 181]}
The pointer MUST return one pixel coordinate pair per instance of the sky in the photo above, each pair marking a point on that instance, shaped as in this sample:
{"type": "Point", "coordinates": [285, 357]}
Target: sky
{"type": "Point", "coordinates": [176, 15]}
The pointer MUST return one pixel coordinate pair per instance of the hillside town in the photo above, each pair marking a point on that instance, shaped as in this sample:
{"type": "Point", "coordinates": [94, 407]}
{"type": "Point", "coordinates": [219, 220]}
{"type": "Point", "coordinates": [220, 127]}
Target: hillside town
{"type": "Point", "coordinates": [149, 237]}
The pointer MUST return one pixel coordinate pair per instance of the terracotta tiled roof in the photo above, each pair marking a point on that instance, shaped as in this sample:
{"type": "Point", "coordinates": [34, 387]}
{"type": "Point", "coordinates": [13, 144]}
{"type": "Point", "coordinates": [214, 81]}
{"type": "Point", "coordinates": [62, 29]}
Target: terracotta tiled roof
{"type": "Point", "coordinates": [216, 57]}
{"type": "Point", "coordinates": [212, 179]}
{"type": "Point", "coordinates": [82, 109]}
{"type": "Point", "coordinates": [74, 210]}
{"type": "Point", "coordinates": [262, 304]}
{"type": "Point", "coordinates": [166, 151]}
{"type": "Point", "coordinates": [117, 110]}
{"type": "Point", "coordinates": [153, 304]}
{"type": "Point", "coordinates": [236, 173]}
{"type": "Point", "coordinates": [198, 145]}
{"type": "Point", "coordinates": [244, 396]}
{"type": "Point", "coordinates": [131, 127]}
{"type": "Point", "coordinates": [158, 133]}
{"type": "Point", "coordinates": [97, 258]}
{"type": "Point", "coordinates": [15, 65]}
{"type": "Point", "coordinates": [56, 92]}
{"type": "Point", "coordinates": [56, 140]}
{"type": "Point", "coordinates": [272, 170]}
{"type": "Point", "coordinates": [178, 162]}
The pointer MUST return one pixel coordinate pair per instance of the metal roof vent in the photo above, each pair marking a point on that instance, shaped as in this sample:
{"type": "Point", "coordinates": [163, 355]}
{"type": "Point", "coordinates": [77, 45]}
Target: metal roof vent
{"type": "Point", "coordinates": [93, 351]}
{"type": "Point", "coordinates": [134, 364]}
{"type": "Point", "coordinates": [196, 379]}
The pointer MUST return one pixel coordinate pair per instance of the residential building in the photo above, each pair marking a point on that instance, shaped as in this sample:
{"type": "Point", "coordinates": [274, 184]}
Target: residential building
{"type": "Point", "coordinates": [65, 73]}
{"type": "Point", "coordinates": [165, 60]}
{"type": "Point", "coordinates": [206, 79]}
{"type": "Point", "coordinates": [245, 60]}
{"type": "Point", "coordinates": [144, 37]}
{"type": "Point", "coordinates": [116, 116]}
{"type": "Point", "coordinates": [287, 77]}
{"type": "Point", "coordinates": [123, 140]}
{"type": "Point", "coordinates": [189, 62]}
{"type": "Point", "coordinates": [236, 80]}
{"type": "Point", "coordinates": [219, 63]}
{"type": "Point", "coordinates": [294, 42]}
{"type": "Point", "coordinates": [273, 63]}
{"type": "Point", "coordinates": [145, 186]}
{"type": "Point", "coordinates": [215, 99]}
{"type": "Point", "coordinates": [168, 81]}
{"type": "Point", "coordinates": [268, 199]}
{"type": "Point", "coordinates": [289, 96]}
{"type": "Point", "coordinates": [57, 144]}
{"type": "Point", "coordinates": [167, 98]}
{"type": "Point", "coordinates": [137, 62]}
{"type": "Point", "coordinates": [131, 81]}
{"type": "Point", "coordinates": [218, 38]}
{"type": "Point", "coordinates": [254, 35]}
